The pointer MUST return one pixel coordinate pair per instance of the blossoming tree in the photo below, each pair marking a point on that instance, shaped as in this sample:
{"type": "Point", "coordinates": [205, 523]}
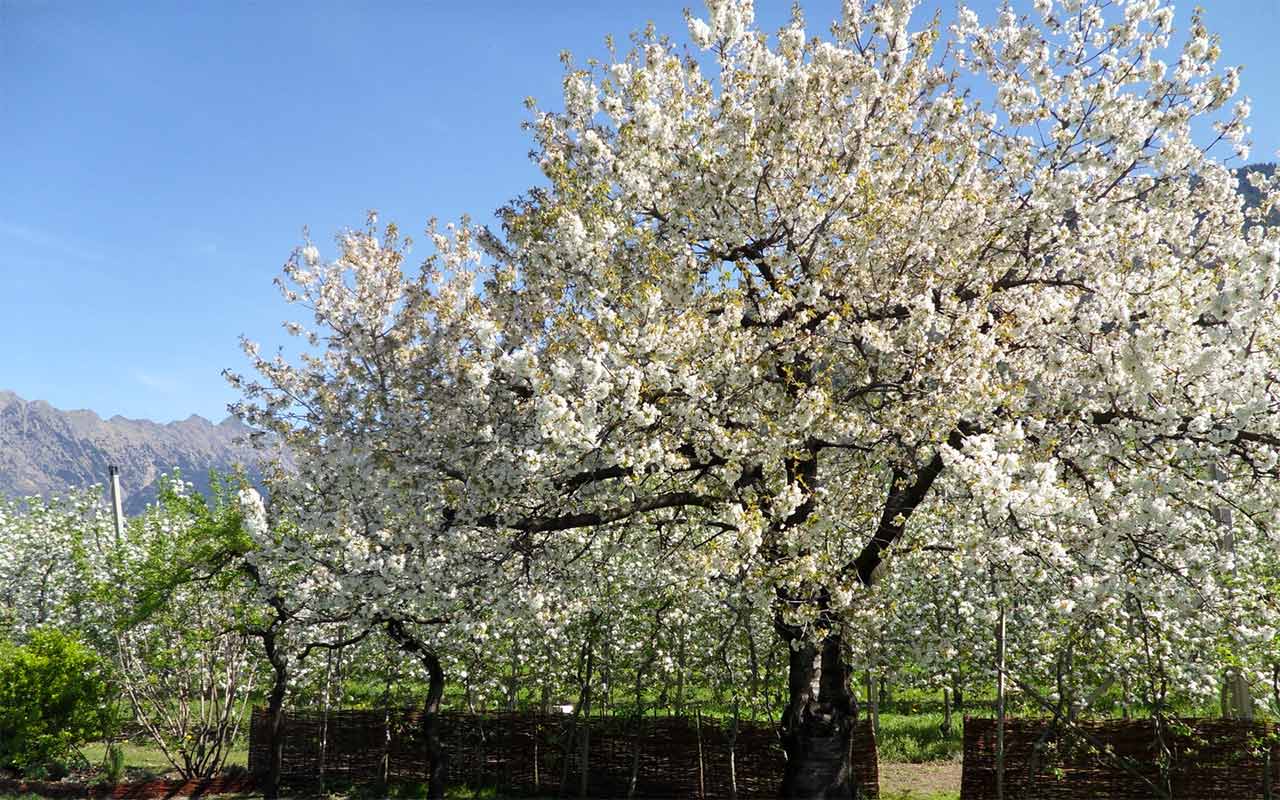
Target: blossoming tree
{"type": "Point", "coordinates": [41, 544]}
{"type": "Point", "coordinates": [784, 297]}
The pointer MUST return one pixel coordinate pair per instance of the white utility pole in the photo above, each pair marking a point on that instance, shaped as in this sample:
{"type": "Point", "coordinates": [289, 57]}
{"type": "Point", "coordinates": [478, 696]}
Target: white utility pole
{"type": "Point", "coordinates": [116, 513]}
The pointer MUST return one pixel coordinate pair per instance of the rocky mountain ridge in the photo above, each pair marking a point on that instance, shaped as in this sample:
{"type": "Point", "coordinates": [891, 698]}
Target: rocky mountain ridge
{"type": "Point", "coordinates": [46, 451]}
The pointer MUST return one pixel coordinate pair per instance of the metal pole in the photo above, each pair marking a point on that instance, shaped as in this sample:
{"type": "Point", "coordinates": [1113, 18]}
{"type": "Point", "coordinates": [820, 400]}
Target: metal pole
{"type": "Point", "coordinates": [117, 514]}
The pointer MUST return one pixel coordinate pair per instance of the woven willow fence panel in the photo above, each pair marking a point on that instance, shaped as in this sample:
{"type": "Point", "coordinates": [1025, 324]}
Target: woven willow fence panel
{"type": "Point", "coordinates": [674, 757]}
{"type": "Point", "coordinates": [1205, 759]}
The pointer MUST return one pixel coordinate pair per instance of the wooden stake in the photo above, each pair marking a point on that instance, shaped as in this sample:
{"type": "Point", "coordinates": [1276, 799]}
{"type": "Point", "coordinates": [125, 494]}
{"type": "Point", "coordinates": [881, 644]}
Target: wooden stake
{"type": "Point", "coordinates": [697, 724]}
{"type": "Point", "coordinates": [946, 711]}
{"type": "Point", "coordinates": [1000, 633]}
{"type": "Point", "coordinates": [873, 702]}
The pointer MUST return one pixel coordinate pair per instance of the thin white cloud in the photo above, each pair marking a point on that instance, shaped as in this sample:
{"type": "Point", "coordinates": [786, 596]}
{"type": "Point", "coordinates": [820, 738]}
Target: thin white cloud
{"type": "Point", "coordinates": [47, 242]}
{"type": "Point", "coordinates": [159, 383]}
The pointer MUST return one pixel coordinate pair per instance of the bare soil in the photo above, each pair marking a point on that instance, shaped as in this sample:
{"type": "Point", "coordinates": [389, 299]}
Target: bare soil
{"type": "Point", "coordinates": [923, 780]}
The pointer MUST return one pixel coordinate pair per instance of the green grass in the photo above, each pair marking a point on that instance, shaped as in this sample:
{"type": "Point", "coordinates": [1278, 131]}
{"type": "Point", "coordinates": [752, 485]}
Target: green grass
{"type": "Point", "coordinates": [142, 756]}
{"type": "Point", "coordinates": [918, 738]}
{"type": "Point", "coordinates": [910, 795]}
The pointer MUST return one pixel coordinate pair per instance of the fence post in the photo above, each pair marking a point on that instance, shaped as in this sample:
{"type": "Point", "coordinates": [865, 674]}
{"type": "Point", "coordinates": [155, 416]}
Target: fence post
{"type": "Point", "coordinates": [697, 727]}
{"type": "Point", "coordinates": [386, 747]}
{"type": "Point", "coordinates": [1000, 632]}
{"type": "Point", "coordinates": [1266, 773]}
{"type": "Point", "coordinates": [946, 711]}
{"type": "Point", "coordinates": [1269, 749]}
{"type": "Point", "coordinates": [584, 777]}
{"type": "Point", "coordinates": [872, 702]}
{"type": "Point", "coordinates": [733, 755]}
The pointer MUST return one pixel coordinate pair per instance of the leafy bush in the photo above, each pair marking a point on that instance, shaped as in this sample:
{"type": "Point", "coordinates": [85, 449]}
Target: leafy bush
{"type": "Point", "coordinates": [113, 763]}
{"type": "Point", "coordinates": [53, 698]}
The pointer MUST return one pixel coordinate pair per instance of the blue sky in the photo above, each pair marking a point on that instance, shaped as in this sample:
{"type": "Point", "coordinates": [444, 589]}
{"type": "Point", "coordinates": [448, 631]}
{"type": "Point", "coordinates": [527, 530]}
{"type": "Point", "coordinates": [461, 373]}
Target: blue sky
{"type": "Point", "coordinates": [161, 159]}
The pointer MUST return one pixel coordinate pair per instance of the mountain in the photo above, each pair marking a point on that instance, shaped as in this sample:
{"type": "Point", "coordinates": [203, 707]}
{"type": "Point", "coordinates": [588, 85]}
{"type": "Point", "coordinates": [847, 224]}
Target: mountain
{"type": "Point", "coordinates": [47, 452]}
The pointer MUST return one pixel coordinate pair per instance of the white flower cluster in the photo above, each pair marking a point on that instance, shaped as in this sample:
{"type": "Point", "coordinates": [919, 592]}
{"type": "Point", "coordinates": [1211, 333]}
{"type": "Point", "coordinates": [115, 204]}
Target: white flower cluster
{"type": "Point", "coordinates": [763, 333]}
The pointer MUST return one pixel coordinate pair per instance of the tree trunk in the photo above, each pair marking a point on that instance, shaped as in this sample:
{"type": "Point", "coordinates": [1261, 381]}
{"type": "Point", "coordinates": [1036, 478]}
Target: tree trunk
{"type": "Point", "coordinates": [817, 725]}
{"type": "Point", "coordinates": [436, 755]}
{"type": "Point", "coordinates": [275, 716]}
{"type": "Point", "coordinates": [431, 728]}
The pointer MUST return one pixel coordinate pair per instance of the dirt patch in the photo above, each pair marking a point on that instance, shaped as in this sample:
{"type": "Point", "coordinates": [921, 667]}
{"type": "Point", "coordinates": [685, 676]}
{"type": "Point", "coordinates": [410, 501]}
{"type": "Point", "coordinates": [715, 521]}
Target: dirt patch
{"type": "Point", "coordinates": [924, 780]}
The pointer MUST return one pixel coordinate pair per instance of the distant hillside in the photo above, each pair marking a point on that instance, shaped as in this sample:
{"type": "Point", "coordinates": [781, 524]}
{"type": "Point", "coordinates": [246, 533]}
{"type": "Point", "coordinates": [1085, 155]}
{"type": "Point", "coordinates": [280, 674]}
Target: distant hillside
{"type": "Point", "coordinates": [46, 451]}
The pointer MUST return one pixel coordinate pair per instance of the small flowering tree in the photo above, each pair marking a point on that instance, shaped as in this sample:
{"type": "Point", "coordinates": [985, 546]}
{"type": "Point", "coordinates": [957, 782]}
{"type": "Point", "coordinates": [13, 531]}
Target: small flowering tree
{"type": "Point", "coordinates": [173, 618]}
{"type": "Point", "coordinates": [759, 320]}
{"type": "Point", "coordinates": [42, 544]}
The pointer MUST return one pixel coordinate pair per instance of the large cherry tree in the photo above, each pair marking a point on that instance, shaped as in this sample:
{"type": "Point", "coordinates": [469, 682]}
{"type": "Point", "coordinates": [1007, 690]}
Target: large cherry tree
{"type": "Point", "coordinates": [784, 298]}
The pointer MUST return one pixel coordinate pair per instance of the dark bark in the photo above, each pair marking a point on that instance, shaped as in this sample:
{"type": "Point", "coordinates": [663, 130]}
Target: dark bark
{"type": "Point", "coordinates": [637, 718]}
{"type": "Point", "coordinates": [817, 725]}
{"type": "Point", "coordinates": [907, 491]}
{"type": "Point", "coordinates": [275, 714]}
{"type": "Point", "coordinates": [431, 727]}
{"type": "Point", "coordinates": [436, 754]}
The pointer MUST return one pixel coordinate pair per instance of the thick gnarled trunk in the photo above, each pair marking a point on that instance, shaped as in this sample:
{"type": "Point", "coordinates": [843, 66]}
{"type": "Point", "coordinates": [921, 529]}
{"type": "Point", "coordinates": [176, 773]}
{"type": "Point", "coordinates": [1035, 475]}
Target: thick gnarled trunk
{"type": "Point", "coordinates": [817, 726]}
{"type": "Point", "coordinates": [431, 728]}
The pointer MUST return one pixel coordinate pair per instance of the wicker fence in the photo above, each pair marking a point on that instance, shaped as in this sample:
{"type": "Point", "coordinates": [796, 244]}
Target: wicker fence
{"type": "Point", "coordinates": [1204, 759]}
{"type": "Point", "coordinates": [527, 754]}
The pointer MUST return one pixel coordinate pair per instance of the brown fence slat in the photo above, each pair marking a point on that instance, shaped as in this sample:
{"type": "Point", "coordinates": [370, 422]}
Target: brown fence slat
{"type": "Point", "coordinates": [1204, 759]}
{"type": "Point", "coordinates": [499, 750]}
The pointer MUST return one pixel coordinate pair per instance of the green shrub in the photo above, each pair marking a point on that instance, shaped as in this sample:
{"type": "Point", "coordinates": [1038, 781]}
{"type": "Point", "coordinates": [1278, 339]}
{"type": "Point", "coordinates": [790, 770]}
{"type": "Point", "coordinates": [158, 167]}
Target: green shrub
{"type": "Point", "coordinates": [113, 763]}
{"type": "Point", "coordinates": [53, 698]}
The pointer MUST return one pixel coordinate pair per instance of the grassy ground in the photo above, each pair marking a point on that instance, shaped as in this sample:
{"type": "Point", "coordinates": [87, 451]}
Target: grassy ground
{"type": "Point", "coordinates": [918, 738]}
{"type": "Point", "coordinates": [143, 760]}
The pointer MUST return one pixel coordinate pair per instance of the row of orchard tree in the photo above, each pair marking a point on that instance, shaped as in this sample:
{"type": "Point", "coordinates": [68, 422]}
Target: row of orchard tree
{"type": "Point", "coordinates": [191, 627]}
{"type": "Point", "coordinates": [838, 350]}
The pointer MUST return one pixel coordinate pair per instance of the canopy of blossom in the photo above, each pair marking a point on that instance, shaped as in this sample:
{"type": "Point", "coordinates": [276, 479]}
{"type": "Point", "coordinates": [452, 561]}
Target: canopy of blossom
{"type": "Point", "coordinates": [44, 547]}
{"type": "Point", "coordinates": [779, 296]}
